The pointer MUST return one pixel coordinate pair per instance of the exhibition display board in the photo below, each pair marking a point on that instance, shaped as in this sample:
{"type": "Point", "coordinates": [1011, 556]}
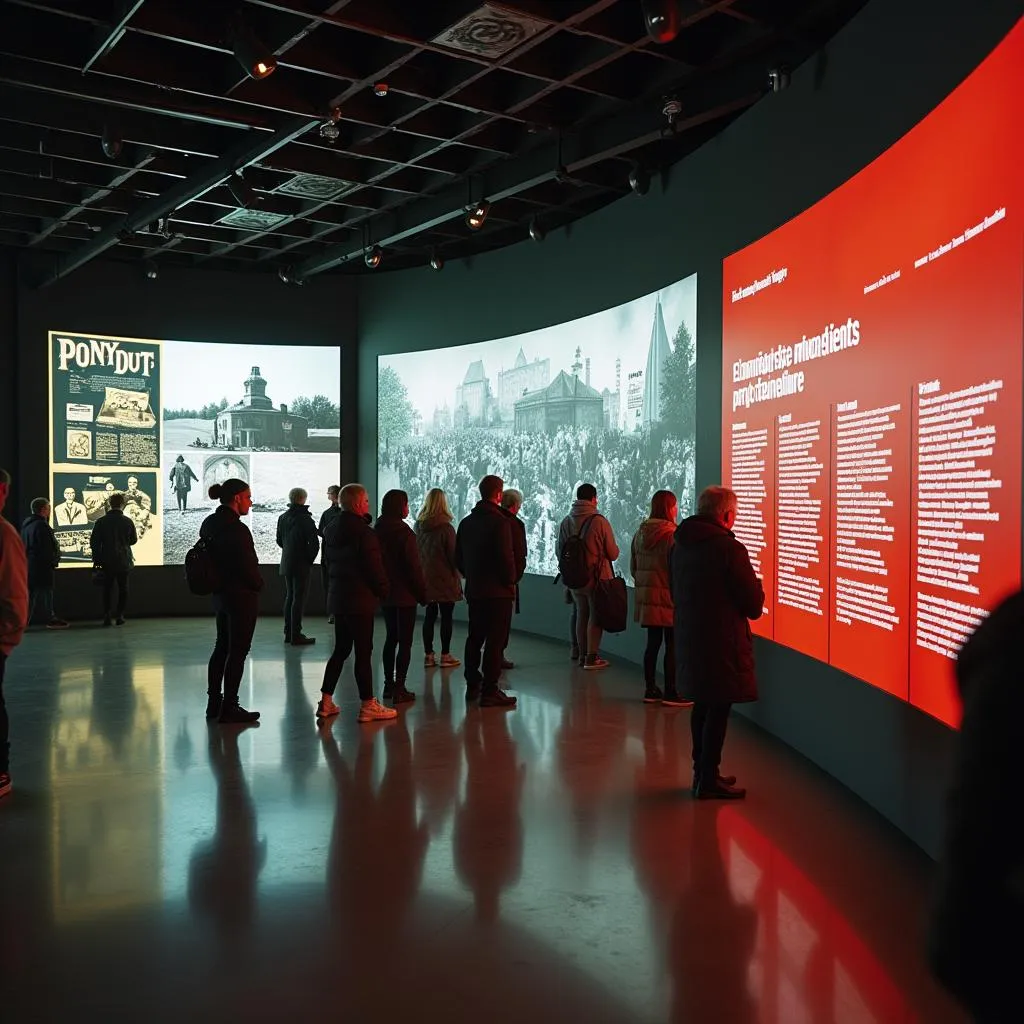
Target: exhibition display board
{"type": "Point", "coordinates": [872, 353]}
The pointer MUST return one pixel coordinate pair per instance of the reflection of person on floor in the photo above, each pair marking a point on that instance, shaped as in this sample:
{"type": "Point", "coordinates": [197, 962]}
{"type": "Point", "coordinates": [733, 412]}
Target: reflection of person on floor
{"type": "Point", "coordinates": [298, 755]}
{"type": "Point", "coordinates": [977, 939]}
{"type": "Point", "coordinates": [181, 481]}
{"type": "Point", "coordinates": [435, 758]}
{"type": "Point", "coordinates": [713, 936]}
{"type": "Point", "coordinates": [488, 838]}
{"type": "Point", "coordinates": [223, 870]}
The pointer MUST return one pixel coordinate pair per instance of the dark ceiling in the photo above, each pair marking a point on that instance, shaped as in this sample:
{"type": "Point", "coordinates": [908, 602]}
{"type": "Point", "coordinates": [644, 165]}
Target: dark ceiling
{"type": "Point", "coordinates": [542, 107]}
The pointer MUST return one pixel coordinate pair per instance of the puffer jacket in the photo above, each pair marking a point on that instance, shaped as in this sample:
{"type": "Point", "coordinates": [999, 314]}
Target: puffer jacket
{"type": "Point", "coordinates": [42, 551]}
{"type": "Point", "coordinates": [649, 567]}
{"type": "Point", "coordinates": [599, 540]}
{"type": "Point", "coordinates": [435, 538]}
{"type": "Point", "coordinates": [406, 586]}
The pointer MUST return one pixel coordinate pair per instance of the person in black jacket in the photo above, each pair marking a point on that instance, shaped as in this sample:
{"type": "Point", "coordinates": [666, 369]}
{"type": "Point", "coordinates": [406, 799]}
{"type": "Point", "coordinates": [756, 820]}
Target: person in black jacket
{"type": "Point", "coordinates": [976, 941]}
{"type": "Point", "coordinates": [111, 542]}
{"type": "Point", "coordinates": [511, 503]}
{"type": "Point", "coordinates": [715, 592]}
{"type": "Point", "coordinates": [235, 599]}
{"type": "Point", "coordinates": [330, 513]}
{"type": "Point", "coordinates": [485, 554]}
{"type": "Point", "coordinates": [299, 544]}
{"type": "Point", "coordinates": [43, 554]}
{"type": "Point", "coordinates": [358, 582]}
{"type": "Point", "coordinates": [406, 589]}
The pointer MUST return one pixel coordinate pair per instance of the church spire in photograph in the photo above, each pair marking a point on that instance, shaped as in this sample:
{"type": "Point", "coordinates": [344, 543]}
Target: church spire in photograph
{"type": "Point", "coordinates": [658, 352]}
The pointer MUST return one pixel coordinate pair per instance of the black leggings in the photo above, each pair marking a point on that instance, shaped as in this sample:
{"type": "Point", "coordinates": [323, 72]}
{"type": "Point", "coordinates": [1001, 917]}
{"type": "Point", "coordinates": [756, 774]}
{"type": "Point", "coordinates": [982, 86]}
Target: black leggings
{"type": "Point", "coordinates": [401, 624]}
{"type": "Point", "coordinates": [236, 623]}
{"type": "Point", "coordinates": [351, 631]}
{"type": "Point", "coordinates": [446, 610]}
{"type": "Point", "coordinates": [655, 634]}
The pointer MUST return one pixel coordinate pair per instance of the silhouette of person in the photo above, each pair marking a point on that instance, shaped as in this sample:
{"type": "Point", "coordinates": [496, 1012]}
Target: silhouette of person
{"type": "Point", "coordinates": [435, 753]}
{"type": "Point", "coordinates": [298, 754]}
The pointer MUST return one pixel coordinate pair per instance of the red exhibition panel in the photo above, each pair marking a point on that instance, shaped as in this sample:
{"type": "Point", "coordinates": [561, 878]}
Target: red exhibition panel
{"type": "Point", "coordinates": [873, 365]}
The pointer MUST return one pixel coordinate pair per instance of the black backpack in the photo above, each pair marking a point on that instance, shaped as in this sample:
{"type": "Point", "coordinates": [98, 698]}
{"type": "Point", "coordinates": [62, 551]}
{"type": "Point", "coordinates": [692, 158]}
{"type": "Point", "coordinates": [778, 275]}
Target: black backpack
{"type": "Point", "coordinates": [201, 572]}
{"type": "Point", "coordinates": [572, 560]}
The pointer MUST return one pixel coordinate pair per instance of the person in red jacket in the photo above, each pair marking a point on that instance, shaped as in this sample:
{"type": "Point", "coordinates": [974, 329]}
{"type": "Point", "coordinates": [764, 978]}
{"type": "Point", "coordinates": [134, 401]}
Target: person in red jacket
{"type": "Point", "coordinates": [406, 589]}
{"type": "Point", "coordinates": [13, 615]}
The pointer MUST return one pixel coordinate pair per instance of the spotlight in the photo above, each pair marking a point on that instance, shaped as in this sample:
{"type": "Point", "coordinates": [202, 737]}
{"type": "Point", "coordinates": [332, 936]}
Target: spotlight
{"type": "Point", "coordinates": [112, 142]}
{"type": "Point", "coordinates": [380, 89]}
{"type": "Point", "coordinates": [778, 79]}
{"type": "Point", "coordinates": [476, 215]}
{"type": "Point", "coordinates": [639, 180]}
{"type": "Point", "coordinates": [253, 57]}
{"type": "Point", "coordinates": [536, 231]}
{"type": "Point", "coordinates": [287, 276]}
{"type": "Point", "coordinates": [152, 270]}
{"type": "Point", "coordinates": [241, 191]}
{"type": "Point", "coordinates": [436, 261]}
{"type": "Point", "coordinates": [373, 257]}
{"type": "Point", "coordinates": [661, 19]}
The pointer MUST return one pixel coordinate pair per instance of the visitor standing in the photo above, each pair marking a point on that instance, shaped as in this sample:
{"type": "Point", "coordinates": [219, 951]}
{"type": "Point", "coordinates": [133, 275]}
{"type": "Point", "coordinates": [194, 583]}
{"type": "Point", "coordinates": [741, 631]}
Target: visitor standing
{"type": "Point", "coordinates": [111, 542]}
{"type": "Point", "coordinates": [435, 538]}
{"type": "Point", "coordinates": [511, 503]}
{"type": "Point", "coordinates": [299, 544]}
{"type": "Point", "coordinates": [331, 512]}
{"type": "Point", "coordinates": [13, 616]}
{"type": "Point", "coordinates": [43, 554]}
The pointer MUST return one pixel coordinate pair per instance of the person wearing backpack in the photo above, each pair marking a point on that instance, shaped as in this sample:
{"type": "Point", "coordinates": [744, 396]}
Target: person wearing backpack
{"type": "Point", "coordinates": [586, 551]}
{"type": "Point", "coordinates": [236, 588]}
{"type": "Point", "coordinates": [111, 542]}
{"type": "Point", "coordinates": [297, 538]}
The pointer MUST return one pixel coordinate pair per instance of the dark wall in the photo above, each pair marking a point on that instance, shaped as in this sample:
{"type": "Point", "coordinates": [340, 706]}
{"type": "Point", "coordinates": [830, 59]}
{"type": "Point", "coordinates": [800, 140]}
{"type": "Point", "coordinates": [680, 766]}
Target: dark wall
{"type": "Point", "coordinates": [182, 304]}
{"type": "Point", "coordinates": [891, 65]}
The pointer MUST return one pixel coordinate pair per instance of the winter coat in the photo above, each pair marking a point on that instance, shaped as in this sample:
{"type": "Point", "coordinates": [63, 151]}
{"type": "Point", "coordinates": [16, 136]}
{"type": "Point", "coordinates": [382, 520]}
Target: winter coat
{"type": "Point", "coordinates": [297, 539]}
{"type": "Point", "coordinates": [485, 554]}
{"type": "Point", "coordinates": [649, 566]}
{"type": "Point", "coordinates": [598, 542]}
{"type": "Point", "coordinates": [976, 941]}
{"type": "Point", "coordinates": [328, 514]}
{"type": "Point", "coordinates": [42, 551]}
{"type": "Point", "coordinates": [111, 541]}
{"type": "Point", "coordinates": [518, 543]}
{"type": "Point", "coordinates": [357, 581]}
{"type": "Point", "coordinates": [715, 592]}
{"type": "Point", "coordinates": [182, 477]}
{"type": "Point", "coordinates": [13, 588]}
{"type": "Point", "coordinates": [406, 586]}
{"type": "Point", "coordinates": [234, 554]}
{"type": "Point", "coordinates": [435, 539]}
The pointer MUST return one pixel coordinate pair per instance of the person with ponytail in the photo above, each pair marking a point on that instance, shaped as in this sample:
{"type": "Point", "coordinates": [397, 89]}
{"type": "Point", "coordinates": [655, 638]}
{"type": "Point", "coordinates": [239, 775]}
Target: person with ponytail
{"type": "Point", "coordinates": [235, 599]}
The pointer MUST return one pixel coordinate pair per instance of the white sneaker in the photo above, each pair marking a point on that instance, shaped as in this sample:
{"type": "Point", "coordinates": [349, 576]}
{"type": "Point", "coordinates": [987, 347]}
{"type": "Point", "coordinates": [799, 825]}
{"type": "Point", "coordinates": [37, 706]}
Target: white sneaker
{"type": "Point", "coordinates": [371, 711]}
{"type": "Point", "coordinates": [326, 707]}
{"type": "Point", "coordinates": [449, 661]}
{"type": "Point", "coordinates": [430, 662]}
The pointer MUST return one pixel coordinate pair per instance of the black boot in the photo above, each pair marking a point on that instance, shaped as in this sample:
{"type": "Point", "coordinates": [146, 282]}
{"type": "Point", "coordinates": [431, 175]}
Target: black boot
{"type": "Point", "coordinates": [725, 780]}
{"type": "Point", "coordinates": [495, 697]}
{"type": "Point", "coordinates": [719, 790]}
{"type": "Point", "coordinates": [401, 695]}
{"type": "Point", "coordinates": [213, 703]}
{"type": "Point", "coordinates": [232, 713]}
{"type": "Point", "coordinates": [389, 689]}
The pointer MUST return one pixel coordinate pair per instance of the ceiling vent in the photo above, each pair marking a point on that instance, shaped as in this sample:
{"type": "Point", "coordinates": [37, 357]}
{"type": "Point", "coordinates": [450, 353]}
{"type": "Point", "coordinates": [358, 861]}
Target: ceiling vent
{"type": "Point", "coordinates": [314, 186]}
{"type": "Point", "coordinates": [252, 220]}
{"type": "Point", "coordinates": [490, 32]}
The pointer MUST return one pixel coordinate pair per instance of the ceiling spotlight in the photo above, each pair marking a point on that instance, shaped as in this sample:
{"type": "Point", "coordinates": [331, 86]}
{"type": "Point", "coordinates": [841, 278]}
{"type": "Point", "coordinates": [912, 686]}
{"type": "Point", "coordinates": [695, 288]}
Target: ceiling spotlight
{"type": "Point", "coordinates": [152, 270]}
{"type": "Point", "coordinates": [476, 215]}
{"type": "Point", "coordinates": [253, 57]}
{"type": "Point", "coordinates": [112, 142]}
{"type": "Point", "coordinates": [639, 180]}
{"type": "Point", "coordinates": [536, 231]}
{"type": "Point", "coordinates": [380, 88]}
{"type": "Point", "coordinates": [329, 130]}
{"type": "Point", "coordinates": [288, 276]}
{"type": "Point", "coordinates": [373, 257]}
{"type": "Point", "coordinates": [436, 261]}
{"type": "Point", "coordinates": [661, 19]}
{"type": "Point", "coordinates": [778, 79]}
{"type": "Point", "coordinates": [241, 191]}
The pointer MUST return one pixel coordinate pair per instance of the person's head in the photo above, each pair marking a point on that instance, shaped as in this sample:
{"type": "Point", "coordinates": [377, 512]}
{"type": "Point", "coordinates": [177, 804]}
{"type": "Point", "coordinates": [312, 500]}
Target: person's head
{"type": "Point", "coordinates": [718, 503]}
{"type": "Point", "coordinates": [512, 500]}
{"type": "Point", "coordinates": [297, 496]}
{"type": "Point", "coordinates": [353, 498]}
{"type": "Point", "coordinates": [180, 458]}
{"type": "Point", "coordinates": [332, 493]}
{"type": "Point", "coordinates": [109, 487]}
{"type": "Point", "coordinates": [664, 506]}
{"type": "Point", "coordinates": [41, 507]}
{"type": "Point", "coordinates": [133, 483]}
{"type": "Point", "coordinates": [69, 494]}
{"type": "Point", "coordinates": [492, 488]}
{"type": "Point", "coordinates": [395, 503]}
{"type": "Point", "coordinates": [116, 501]}
{"type": "Point", "coordinates": [5, 486]}
{"type": "Point", "coordinates": [234, 494]}
{"type": "Point", "coordinates": [435, 505]}
{"type": "Point", "coordinates": [586, 492]}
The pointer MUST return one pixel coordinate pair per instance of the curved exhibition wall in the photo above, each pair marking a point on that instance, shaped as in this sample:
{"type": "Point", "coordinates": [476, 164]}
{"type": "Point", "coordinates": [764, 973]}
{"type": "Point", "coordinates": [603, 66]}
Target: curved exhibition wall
{"type": "Point", "coordinates": [884, 73]}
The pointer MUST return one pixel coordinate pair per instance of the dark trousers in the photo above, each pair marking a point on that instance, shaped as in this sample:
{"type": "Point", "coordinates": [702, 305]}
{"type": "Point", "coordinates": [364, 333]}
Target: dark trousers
{"type": "Point", "coordinates": [296, 586]}
{"type": "Point", "coordinates": [708, 723]}
{"type": "Point", "coordinates": [655, 635]}
{"type": "Point", "coordinates": [182, 497]}
{"type": "Point", "coordinates": [351, 631]}
{"type": "Point", "coordinates": [44, 595]}
{"type": "Point", "coordinates": [236, 623]}
{"type": "Point", "coordinates": [109, 579]}
{"type": "Point", "coordinates": [5, 747]}
{"type": "Point", "coordinates": [446, 609]}
{"type": "Point", "coordinates": [573, 622]}
{"type": "Point", "coordinates": [489, 622]}
{"type": "Point", "coordinates": [401, 625]}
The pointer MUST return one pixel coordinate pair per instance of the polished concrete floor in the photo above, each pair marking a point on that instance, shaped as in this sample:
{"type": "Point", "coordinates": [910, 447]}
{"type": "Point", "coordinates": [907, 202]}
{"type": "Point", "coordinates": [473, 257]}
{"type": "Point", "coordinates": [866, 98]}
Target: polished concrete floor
{"type": "Point", "coordinates": [545, 864]}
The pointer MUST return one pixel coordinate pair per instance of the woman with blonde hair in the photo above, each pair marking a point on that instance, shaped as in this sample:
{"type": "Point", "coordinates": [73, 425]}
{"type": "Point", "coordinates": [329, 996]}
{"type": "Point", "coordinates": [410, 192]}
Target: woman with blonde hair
{"type": "Point", "coordinates": [435, 537]}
